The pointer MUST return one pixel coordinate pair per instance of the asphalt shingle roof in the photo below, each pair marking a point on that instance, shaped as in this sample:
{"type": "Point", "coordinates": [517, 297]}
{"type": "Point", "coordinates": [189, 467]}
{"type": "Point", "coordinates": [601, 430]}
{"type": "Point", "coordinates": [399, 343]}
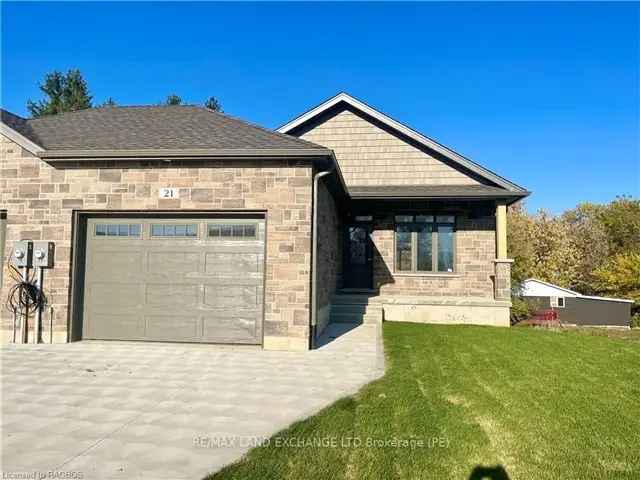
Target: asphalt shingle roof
{"type": "Point", "coordinates": [150, 127]}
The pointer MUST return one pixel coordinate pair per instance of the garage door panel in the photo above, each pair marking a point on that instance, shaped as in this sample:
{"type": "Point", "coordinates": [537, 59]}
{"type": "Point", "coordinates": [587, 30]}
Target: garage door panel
{"type": "Point", "coordinates": [112, 297]}
{"type": "Point", "coordinates": [231, 327]}
{"type": "Point", "coordinates": [164, 288]}
{"type": "Point", "coordinates": [173, 296]}
{"type": "Point", "coordinates": [172, 327]}
{"type": "Point", "coordinates": [116, 327]}
{"type": "Point", "coordinates": [172, 262]}
{"type": "Point", "coordinates": [122, 266]}
{"type": "Point", "coordinates": [232, 262]}
{"type": "Point", "coordinates": [225, 296]}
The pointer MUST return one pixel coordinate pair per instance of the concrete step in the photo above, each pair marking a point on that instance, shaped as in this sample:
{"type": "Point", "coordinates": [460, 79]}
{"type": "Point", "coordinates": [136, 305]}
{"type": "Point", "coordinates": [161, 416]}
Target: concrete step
{"type": "Point", "coordinates": [356, 318]}
{"type": "Point", "coordinates": [355, 299]}
{"type": "Point", "coordinates": [354, 308]}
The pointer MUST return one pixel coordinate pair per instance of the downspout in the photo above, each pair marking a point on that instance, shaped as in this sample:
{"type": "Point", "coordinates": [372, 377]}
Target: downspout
{"type": "Point", "coordinates": [314, 257]}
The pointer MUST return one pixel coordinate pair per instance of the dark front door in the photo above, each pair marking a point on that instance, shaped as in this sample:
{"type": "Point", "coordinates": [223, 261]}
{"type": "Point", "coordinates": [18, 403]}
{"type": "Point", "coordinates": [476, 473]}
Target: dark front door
{"type": "Point", "coordinates": [359, 256]}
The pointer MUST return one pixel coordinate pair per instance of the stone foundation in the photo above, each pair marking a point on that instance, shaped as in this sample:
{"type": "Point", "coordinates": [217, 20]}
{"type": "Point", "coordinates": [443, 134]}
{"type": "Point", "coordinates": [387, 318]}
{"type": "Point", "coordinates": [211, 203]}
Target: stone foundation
{"type": "Point", "coordinates": [450, 311]}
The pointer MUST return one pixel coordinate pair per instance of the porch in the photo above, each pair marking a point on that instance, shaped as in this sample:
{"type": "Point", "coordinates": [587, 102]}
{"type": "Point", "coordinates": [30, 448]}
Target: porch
{"type": "Point", "coordinates": [428, 260]}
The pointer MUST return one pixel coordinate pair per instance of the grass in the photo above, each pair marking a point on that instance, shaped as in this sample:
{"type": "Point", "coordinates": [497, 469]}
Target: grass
{"type": "Point", "coordinates": [521, 403]}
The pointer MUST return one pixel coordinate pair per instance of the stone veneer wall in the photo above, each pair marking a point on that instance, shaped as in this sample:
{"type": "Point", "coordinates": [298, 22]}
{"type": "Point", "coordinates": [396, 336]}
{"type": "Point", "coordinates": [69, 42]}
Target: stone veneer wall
{"type": "Point", "coordinates": [40, 198]}
{"type": "Point", "coordinates": [502, 281]}
{"type": "Point", "coordinates": [329, 277]}
{"type": "Point", "coordinates": [475, 252]}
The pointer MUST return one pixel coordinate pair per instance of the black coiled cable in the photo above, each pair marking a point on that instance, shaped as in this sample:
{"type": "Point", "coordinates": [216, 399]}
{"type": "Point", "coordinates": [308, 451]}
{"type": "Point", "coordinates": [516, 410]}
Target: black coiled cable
{"type": "Point", "coordinates": [24, 297]}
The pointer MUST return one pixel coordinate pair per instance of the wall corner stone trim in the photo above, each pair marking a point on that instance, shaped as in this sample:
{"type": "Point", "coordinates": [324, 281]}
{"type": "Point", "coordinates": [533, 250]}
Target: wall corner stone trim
{"type": "Point", "coordinates": [502, 279]}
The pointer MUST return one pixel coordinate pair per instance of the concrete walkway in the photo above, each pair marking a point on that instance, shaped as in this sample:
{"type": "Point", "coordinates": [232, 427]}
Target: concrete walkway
{"type": "Point", "coordinates": [116, 410]}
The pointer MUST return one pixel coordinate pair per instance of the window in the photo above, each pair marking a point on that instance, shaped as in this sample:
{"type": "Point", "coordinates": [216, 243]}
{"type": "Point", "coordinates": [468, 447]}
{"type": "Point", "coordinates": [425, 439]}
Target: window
{"type": "Point", "coordinates": [174, 230]}
{"type": "Point", "coordinates": [425, 243]}
{"type": "Point", "coordinates": [232, 231]}
{"type": "Point", "coordinates": [118, 229]}
{"type": "Point", "coordinates": [556, 302]}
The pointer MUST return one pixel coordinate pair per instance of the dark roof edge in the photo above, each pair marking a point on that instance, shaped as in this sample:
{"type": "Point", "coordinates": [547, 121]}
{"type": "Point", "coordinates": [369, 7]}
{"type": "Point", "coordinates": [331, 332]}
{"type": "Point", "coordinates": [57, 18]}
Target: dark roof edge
{"type": "Point", "coordinates": [508, 196]}
{"type": "Point", "coordinates": [191, 153]}
{"type": "Point", "coordinates": [466, 196]}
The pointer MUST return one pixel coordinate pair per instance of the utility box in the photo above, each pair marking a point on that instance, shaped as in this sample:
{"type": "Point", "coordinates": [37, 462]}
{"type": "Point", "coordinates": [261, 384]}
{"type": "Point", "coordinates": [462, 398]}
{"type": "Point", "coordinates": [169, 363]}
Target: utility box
{"type": "Point", "coordinates": [22, 253]}
{"type": "Point", "coordinates": [43, 254]}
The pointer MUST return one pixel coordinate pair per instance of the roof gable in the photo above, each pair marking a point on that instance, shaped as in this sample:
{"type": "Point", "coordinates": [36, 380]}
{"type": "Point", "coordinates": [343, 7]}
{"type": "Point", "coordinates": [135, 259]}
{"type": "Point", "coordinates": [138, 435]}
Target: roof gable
{"type": "Point", "coordinates": [344, 101]}
{"type": "Point", "coordinates": [533, 287]}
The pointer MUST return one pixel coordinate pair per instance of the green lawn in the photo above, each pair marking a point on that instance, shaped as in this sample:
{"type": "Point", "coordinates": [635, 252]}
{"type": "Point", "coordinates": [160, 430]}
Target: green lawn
{"type": "Point", "coordinates": [522, 403]}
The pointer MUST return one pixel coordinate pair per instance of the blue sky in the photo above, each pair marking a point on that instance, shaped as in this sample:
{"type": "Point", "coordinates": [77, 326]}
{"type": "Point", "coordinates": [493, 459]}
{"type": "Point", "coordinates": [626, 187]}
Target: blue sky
{"type": "Point", "coordinates": [545, 94]}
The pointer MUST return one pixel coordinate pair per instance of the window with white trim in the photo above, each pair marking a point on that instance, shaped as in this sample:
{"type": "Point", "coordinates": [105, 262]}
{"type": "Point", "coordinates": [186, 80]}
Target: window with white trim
{"type": "Point", "coordinates": [556, 302]}
{"type": "Point", "coordinates": [425, 243]}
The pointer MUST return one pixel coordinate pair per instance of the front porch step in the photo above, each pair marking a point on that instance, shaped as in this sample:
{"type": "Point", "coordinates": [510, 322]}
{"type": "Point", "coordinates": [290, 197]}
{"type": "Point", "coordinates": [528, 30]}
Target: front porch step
{"type": "Point", "coordinates": [355, 299]}
{"type": "Point", "coordinates": [356, 308]}
{"type": "Point", "coordinates": [355, 318]}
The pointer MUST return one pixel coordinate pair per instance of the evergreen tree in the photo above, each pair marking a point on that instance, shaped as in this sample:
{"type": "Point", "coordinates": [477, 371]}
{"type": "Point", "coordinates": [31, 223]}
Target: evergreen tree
{"type": "Point", "coordinates": [212, 103]}
{"type": "Point", "coordinates": [65, 93]}
{"type": "Point", "coordinates": [109, 102]}
{"type": "Point", "coordinates": [173, 99]}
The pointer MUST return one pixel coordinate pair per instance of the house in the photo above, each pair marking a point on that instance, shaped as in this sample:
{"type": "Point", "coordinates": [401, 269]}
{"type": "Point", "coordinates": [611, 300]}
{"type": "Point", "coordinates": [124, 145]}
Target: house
{"type": "Point", "coordinates": [178, 223]}
{"type": "Point", "coordinates": [574, 308]}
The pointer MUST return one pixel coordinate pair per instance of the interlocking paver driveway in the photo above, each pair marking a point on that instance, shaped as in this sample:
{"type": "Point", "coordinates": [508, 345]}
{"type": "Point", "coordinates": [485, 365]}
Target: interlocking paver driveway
{"type": "Point", "coordinates": [138, 410]}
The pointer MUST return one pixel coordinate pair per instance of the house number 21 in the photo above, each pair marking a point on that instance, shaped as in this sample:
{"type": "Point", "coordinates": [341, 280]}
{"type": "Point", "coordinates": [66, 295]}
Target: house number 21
{"type": "Point", "coordinates": [167, 192]}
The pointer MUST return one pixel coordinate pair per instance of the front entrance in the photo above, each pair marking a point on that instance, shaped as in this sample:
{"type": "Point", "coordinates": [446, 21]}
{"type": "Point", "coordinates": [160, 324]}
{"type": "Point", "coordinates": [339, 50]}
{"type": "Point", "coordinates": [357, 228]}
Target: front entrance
{"type": "Point", "coordinates": [358, 271]}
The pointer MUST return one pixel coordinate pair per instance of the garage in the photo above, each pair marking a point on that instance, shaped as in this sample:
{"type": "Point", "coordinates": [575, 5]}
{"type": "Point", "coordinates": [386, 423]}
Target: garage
{"type": "Point", "coordinates": [174, 279]}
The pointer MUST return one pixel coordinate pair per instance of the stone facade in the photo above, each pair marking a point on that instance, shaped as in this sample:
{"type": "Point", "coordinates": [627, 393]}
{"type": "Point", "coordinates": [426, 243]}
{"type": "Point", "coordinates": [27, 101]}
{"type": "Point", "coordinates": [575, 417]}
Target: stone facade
{"type": "Point", "coordinates": [474, 267]}
{"type": "Point", "coordinates": [330, 246]}
{"type": "Point", "coordinates": [502, 280]}
{"type": "Point", "coordinates": [477, 292]}
{"type": "Point", "coordinates": [370, 155]}
{"type": "Point", "coordinates": [40, 198]}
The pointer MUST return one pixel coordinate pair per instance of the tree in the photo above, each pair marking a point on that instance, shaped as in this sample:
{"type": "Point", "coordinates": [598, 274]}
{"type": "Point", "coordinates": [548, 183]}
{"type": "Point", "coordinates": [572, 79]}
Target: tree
{"type": "Point", "coordinates": [594, 249]}
{"type": "Point", "coordinates": [109, 102]}
{"type": "Point", "coordinates": [66, 93]}
{"type": "Point", "coordinates": [542, 247]}
{"type": "Point", "coordinates": [173, 99]}
{"type": "Point", "coordinates": [555, 257]}
{"type": "Point", "coordinates": [590, 238]}
{"type": "Point", "coordinates": [519, 234]}
{"type": "Point", "coordinates": [621, 219]}
{"type": "Point", "coordinates": [212, 103]}
{"type": "Point", "coordinates": [620, 276]}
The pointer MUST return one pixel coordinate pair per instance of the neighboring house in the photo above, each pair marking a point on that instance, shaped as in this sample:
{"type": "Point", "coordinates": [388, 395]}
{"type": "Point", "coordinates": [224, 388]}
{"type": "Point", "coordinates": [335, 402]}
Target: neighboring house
{"type": "Point", "coordinates": [177, 223]}
{"type": "Point", "coordinates": [576, 309]}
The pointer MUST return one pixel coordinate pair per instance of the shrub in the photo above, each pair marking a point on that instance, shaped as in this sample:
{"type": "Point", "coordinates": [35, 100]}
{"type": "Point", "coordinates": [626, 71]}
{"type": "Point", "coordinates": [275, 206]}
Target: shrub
{"type": "Point", "coordinates": [635, 320]}
{"type": "Point", "coordinates": [520, 309]}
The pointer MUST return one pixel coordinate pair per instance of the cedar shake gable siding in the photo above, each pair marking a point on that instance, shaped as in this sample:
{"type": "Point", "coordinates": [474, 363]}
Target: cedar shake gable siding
{"type": "Point", "coordinates": [371, 154]}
